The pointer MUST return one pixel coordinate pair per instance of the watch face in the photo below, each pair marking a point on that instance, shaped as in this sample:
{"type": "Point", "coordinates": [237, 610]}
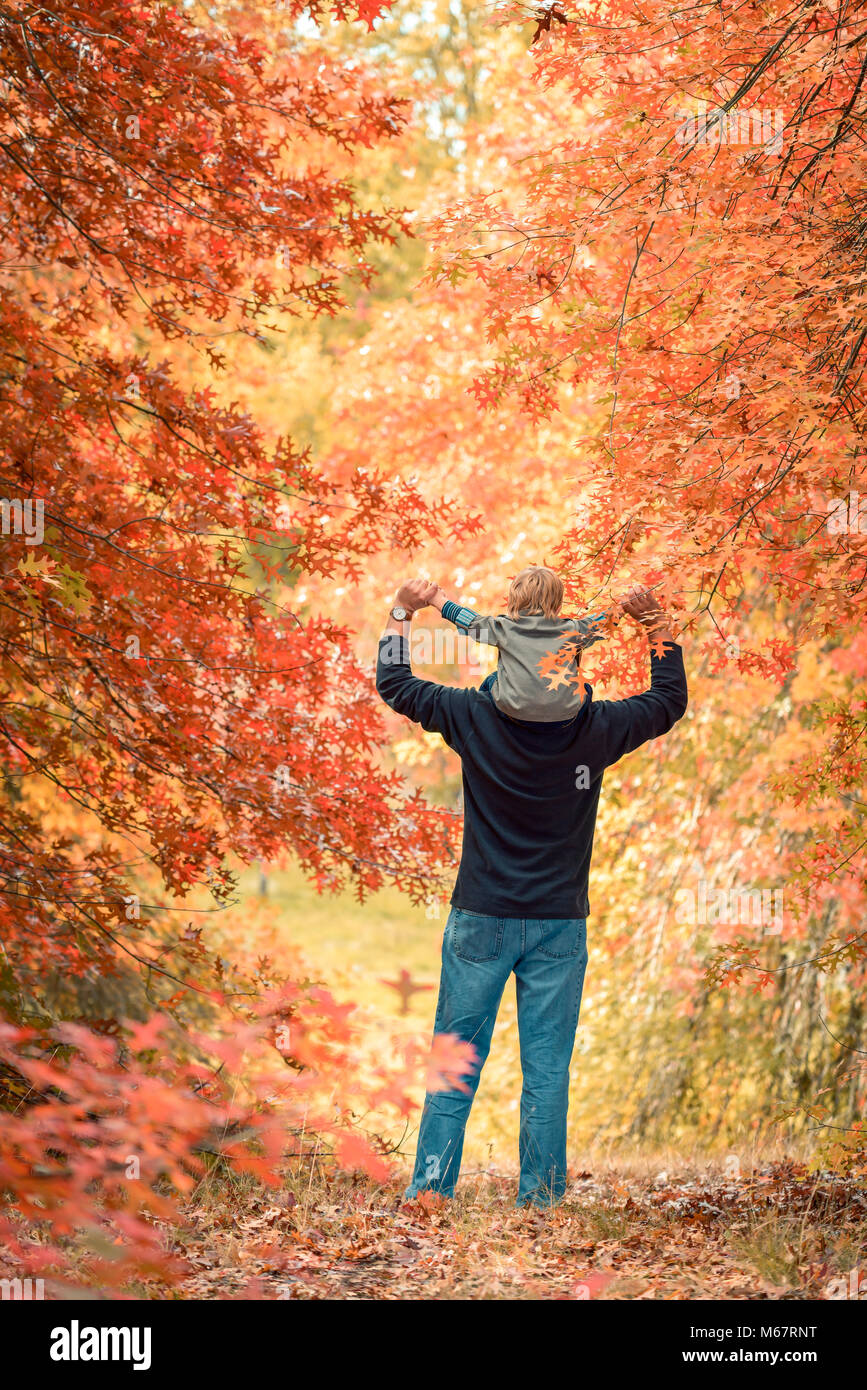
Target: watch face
{"type": "Point", "coordinates": [400, 613]}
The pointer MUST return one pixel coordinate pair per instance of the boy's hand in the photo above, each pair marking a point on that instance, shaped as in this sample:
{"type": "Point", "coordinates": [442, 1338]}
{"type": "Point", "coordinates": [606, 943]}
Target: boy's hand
{"type": "Point", "coordinates": [416, 593]}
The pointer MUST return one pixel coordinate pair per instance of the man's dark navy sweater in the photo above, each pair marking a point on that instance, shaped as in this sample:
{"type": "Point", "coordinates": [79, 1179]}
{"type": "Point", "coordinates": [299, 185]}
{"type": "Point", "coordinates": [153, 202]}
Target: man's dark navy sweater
{"type": "Point", "coordinates": [531, 790]}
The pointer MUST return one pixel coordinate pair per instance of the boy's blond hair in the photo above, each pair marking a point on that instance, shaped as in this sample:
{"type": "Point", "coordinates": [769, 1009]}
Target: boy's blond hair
{"type": "Point", "coordinates": [537, 589]}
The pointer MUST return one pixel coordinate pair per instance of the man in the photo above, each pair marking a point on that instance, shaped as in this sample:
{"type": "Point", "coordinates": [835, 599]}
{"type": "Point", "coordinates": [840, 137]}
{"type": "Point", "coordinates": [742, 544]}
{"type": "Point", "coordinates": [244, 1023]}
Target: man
{"type": "Point", "coordinates": [531, 792]}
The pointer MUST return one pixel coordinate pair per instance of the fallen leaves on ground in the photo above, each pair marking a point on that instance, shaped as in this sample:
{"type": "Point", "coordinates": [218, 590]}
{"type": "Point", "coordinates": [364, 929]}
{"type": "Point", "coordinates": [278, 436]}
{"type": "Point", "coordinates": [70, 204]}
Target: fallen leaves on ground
{"type": "Point", "coordinates": [780, 1232]}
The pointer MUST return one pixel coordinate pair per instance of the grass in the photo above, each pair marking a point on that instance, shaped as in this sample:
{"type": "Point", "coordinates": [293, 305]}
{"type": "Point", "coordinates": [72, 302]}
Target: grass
{"type": "Point", "coordinates": [773, 1248]}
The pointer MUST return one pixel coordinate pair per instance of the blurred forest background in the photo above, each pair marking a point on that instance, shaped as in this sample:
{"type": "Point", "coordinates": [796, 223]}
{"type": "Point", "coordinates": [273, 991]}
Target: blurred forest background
{"type": "Point", "coordinates": [664, 1055]}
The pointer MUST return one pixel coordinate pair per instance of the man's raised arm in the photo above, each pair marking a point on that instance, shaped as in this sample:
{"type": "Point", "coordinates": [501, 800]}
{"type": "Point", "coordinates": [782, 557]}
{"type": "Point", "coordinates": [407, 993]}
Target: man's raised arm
{"type": "Point", "coordinates": [629, 723]}
{"type": "Point", "coordinates": [437, 708]}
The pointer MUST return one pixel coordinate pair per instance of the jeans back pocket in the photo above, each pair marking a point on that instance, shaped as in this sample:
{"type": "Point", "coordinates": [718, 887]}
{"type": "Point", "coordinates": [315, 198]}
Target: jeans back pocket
{"type": "Point", "coordinates": [564, 936]}
{"type": "Point", "coordinates": [475, 936]}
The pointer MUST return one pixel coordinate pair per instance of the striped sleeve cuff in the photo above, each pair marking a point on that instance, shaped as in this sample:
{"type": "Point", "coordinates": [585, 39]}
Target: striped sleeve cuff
{"type": "Point", "coordinates": [589, 629]}
{"type": "Point", "coordinates": [461, 617]}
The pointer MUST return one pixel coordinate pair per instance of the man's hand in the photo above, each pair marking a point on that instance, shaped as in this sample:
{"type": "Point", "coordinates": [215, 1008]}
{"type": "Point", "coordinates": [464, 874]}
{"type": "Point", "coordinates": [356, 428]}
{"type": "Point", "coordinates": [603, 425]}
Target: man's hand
{"type": "Point", "coordinates": [415, 594]}
{"type": "Point", "coordinates": [639, 603]}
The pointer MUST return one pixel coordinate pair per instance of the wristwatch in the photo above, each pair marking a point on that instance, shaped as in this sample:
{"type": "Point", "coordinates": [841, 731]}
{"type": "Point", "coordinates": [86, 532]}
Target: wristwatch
{"type": "Point", "coordinates": [401, 614]}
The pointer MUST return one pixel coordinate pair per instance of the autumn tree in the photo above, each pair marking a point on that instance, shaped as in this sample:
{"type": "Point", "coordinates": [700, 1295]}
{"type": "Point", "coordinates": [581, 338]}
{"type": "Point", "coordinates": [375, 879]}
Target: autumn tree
{"type": "Point", "coordinates": [168, 183]}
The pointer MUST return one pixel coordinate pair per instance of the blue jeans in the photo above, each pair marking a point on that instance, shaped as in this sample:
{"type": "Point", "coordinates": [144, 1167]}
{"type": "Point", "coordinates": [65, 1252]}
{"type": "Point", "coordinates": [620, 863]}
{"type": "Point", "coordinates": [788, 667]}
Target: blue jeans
{"type": "Point", "coordinates": [549, 957]}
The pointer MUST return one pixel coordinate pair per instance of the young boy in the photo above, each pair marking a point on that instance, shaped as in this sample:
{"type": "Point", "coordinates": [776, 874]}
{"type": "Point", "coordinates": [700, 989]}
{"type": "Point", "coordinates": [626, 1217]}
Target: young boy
{"type": "Point", "coordinates": [530, 637]}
